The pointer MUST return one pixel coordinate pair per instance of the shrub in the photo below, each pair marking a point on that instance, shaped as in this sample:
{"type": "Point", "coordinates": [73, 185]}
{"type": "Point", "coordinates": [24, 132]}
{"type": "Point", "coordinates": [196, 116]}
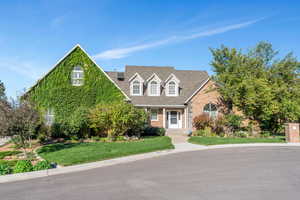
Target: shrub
{"type": "Point", "coordinates": [233, 122]}
{"type": "Point", "coordinates": [42, 165]}
{"type": "Point", "coordinates": [3, 154]}
{"type": "Point", "coordinates": [5, 169]}
{"type": "Point", "coordinates": [43, 133]}
{"type": "Point", "coordinates": [117, 119]}
{"type": "Point", "coordinates": [202, 121]}
{"type": "Point", "coordinates": [218, 126]}
{"type": "Point", "coordinates": [75, 124]}
{"type": "Point", "coordinates": [23, 166]}
{"type": "Point", "coordinates": [206, 132]}
{"type": "Point", "coordinates": [10, 163]}
{"type": "Point", "coordinates": [265, 133]}
{"type": "Point", "coordinates": [154, 131]}
{"type": "Point", "coordinates": [241, 134]}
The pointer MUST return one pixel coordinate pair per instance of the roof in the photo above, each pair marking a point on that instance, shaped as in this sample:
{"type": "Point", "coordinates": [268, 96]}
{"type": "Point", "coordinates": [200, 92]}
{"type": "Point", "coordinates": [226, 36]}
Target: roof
{"type": "Point", "coordinates": [190, 82]}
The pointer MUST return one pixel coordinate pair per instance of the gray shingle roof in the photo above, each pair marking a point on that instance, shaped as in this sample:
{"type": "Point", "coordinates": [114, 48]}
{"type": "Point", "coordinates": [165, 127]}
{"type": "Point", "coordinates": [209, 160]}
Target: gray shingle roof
{"type": "Point", "coordinates": [190, 81]}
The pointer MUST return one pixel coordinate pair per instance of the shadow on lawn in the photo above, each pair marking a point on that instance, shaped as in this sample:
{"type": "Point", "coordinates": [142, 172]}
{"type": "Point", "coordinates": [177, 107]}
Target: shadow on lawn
{"type": "Point", "coordinates": [57, 147]}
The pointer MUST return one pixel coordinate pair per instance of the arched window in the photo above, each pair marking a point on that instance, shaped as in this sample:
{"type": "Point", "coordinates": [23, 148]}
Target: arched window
{"type": "Point", "coordinates": [211, 110]}
{"type": "Point", "coordinates": [172, 89]}
{"type": "Point", "coordinates": [154, 88]}
{"type": "Point", "coordinates": [77, 76]}
{"type": "Point", "coordinates": [136, 87]}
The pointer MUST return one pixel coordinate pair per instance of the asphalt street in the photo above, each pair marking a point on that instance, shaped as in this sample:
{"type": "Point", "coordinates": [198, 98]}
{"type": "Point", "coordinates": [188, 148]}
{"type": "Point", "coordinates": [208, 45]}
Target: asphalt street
{"type": "Point", "coordinates": [227, 174]}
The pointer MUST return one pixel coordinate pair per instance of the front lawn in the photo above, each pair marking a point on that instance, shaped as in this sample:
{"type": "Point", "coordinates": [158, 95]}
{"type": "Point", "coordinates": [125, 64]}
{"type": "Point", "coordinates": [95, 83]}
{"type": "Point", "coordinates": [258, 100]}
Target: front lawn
{"type": "Point", "coordinates": [228, 140]}
{"type": "Point", "coordinates": [75, 153]}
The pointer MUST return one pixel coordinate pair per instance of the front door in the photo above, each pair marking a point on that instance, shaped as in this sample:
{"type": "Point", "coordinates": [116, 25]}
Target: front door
{"type": "Point", "coordinates": [174, 119]}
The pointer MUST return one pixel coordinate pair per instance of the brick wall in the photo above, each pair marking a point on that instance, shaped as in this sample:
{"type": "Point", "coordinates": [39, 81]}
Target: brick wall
{"type": "Point", "coordinates": [203, 97]}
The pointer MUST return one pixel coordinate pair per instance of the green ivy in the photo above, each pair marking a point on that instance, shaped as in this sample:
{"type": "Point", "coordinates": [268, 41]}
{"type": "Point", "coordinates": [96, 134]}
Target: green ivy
{"type": "Point", "coordinates": [55, 91]}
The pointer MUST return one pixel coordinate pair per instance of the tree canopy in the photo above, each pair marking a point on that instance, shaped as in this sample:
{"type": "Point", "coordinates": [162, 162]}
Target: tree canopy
{"type": "Point", "coordinates": [264, 87]}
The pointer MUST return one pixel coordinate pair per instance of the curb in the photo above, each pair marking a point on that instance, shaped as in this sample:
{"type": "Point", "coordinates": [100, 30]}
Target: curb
{"type": "Point", "coordinates": [182, 147]}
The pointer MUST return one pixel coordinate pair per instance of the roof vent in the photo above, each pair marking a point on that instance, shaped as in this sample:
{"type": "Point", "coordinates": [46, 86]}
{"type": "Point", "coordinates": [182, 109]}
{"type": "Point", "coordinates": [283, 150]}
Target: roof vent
{"type": "Point", "coordinates": [120, 76]}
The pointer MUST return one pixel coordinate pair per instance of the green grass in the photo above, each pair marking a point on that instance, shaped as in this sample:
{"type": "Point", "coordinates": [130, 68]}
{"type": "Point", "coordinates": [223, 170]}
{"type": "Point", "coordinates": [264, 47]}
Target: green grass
{"type": "Point", "coordinates": [75, 153]}
{"type": "Point", "coordinates": [3, 154]}
{"type": "Point", "coordinates": [220, 140]}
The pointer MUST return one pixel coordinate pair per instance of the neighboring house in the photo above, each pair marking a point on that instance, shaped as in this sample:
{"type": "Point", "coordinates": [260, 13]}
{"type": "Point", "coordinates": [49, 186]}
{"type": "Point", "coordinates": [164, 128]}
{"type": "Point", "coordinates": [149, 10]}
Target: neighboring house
{"type": "Point", "coordinates": [173, 97]}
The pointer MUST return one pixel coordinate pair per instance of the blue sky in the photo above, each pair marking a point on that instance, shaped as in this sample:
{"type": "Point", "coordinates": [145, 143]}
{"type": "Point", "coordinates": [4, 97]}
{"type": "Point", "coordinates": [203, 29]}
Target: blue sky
{"type": "Point", "coordinates": [34, 34]}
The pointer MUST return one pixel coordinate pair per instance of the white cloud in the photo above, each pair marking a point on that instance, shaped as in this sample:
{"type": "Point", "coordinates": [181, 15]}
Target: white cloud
{"type": "Point", "coordinates": [124, 52]}
{"type": "Point", "coordinates": [25, 68]}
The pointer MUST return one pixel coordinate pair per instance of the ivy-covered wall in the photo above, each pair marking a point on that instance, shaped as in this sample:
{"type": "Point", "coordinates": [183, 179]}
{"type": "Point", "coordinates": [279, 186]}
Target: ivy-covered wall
{"type": "Point", "coordinates": [55, 91]}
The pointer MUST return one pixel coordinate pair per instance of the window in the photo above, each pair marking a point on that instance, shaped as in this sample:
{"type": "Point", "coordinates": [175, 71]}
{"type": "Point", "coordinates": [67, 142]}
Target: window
{"type": "Point", "coordinates": [154, 88]}
{"type": "Point", "coordinates": [49, 117]}
{"type": "Point", "coordinates": [154, 115]}
{"type": "Point", "coordinates": [172, 89]}
{"type": "Point", "coordinates": [136, 88]}
{"type": "Point", "coordinates": [77, 76]}
{"type": "Point", "coordinates": [211, 110]}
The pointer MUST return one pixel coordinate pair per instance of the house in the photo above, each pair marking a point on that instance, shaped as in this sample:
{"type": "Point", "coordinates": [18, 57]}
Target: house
{"type": "Point", "coordinates": [173, 97]}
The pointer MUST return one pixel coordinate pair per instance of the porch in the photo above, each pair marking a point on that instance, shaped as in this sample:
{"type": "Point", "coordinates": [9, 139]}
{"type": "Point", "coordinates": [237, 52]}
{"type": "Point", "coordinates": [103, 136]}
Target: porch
{"type": "Point", "coordinates": [168, 117]}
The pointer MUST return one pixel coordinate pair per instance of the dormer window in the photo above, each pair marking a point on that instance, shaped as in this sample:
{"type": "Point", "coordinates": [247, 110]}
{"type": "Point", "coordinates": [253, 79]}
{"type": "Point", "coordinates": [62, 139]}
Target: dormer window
{"type": "Point", "coordinates": [172, 86]}
{"type": "Point", "coordinates": [154, 88]}
{"type": "Point", "coordinates": [136, 85]}
{"type": "Point", "coordinates": [154, 85]}
{"type": "Point", "coordinates": [136, 88]}
{"type": "Point", "coordinates": [77, 76]}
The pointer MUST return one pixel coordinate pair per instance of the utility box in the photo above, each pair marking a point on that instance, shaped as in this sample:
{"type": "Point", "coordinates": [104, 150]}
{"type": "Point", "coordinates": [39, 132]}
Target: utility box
{"type": "Point", "coordinates": [292, 132]}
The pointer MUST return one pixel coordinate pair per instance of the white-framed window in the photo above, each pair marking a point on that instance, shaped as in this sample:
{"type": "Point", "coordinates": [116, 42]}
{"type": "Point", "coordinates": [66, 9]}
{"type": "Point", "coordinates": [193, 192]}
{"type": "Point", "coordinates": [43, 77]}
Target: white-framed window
{"type": "Point", "coordinates": [211, 110]}
{"type": "Point", "coordinates": [136, 88]}
{"type": "Point", "coordinates": [154, 115]}
{"type": "Point", "coordinates": [154, 89]}
{"type": "Point", "coordinates": [77, 76]}
{"type": "Point", "coordinates": [172, 89]}
{"type": "Point", "coordinates": [49, 117]}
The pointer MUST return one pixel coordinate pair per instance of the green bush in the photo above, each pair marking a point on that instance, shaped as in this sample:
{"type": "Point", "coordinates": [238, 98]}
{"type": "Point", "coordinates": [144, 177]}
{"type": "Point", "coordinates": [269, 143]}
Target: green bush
{"type": "Point", "coordinates": [233, 122]}
{"type": "Point", "coordinates": [265, 134]}
{"type": "Point", "coordinates": [206, 132]}
{"type": "Point", "coordinates": [23, 166]}
{"type": "Point", "coordinates": [42, 165]}
{"type": "Point", "coordinates": [154, 131]}
{"type": "Point", "coordinates": [3, 154]}
{"type": "Point", "coordinates": [114, 120]}
{"type": "Point", "coordinates": [10, 163]}
{"type": "Point", "coordinates": [5, 169]}
{"type": "Point", "coordinates": [241, 134]}
{"type": "Point", "coordinates": [74, 125]}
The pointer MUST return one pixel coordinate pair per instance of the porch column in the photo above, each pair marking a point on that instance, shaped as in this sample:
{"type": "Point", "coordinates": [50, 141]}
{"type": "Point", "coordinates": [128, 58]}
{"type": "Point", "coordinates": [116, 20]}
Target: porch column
{"type": "Point", "coordinates": [164, 118]}
{"type": "Point", "coordinates": [186, 117]}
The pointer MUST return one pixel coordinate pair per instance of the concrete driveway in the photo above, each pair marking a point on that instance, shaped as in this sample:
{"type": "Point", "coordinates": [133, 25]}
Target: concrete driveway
{"type": "Point", "coordinates": [231, 173]}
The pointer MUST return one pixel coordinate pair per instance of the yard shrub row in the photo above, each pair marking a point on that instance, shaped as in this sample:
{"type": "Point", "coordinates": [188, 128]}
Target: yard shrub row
{"type": "Point", "coordinates": [22, 166]}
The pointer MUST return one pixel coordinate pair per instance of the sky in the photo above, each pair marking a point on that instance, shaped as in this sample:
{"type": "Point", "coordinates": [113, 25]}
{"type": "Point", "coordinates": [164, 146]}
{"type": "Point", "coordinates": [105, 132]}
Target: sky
{"type": "Point", "coordinates": [35, 34]}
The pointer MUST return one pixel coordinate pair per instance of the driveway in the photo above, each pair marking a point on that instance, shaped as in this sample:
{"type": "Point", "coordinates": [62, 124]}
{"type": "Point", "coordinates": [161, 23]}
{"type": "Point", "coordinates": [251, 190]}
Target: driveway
{"type": "Point", "coordinates": [231, 173]}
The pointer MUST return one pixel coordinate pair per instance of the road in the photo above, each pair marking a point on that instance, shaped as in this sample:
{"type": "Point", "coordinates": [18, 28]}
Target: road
{"type": "Point", "coordinates": [231, 173]}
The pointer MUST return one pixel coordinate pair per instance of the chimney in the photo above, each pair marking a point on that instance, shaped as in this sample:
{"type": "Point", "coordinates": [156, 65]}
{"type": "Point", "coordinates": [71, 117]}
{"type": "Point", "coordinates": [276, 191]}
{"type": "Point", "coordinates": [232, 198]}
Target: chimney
{"type": "Point", "coordinates": [120, 76]}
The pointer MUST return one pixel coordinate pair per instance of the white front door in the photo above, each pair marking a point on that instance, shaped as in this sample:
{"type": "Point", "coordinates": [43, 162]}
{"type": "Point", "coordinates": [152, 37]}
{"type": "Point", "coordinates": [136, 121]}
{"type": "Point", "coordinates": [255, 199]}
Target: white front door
{"type": "Point", "coordinates": [174, 119]}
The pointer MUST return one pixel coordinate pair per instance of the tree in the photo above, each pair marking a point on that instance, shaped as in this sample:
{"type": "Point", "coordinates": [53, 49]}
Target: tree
{"type": "Point", "coordinates": [2, 91]}
{"type": "Point", "coordinates": [265, 89]}
{"type": "Point", "coordinates": [19, 119]}
{"type": "Point", "coordinates": [5, 111]}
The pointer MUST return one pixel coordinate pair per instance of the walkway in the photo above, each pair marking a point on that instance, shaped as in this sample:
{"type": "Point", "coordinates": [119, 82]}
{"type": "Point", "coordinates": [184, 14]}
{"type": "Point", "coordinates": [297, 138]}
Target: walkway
{"type": "Point", "coordinates": [180, 140]}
